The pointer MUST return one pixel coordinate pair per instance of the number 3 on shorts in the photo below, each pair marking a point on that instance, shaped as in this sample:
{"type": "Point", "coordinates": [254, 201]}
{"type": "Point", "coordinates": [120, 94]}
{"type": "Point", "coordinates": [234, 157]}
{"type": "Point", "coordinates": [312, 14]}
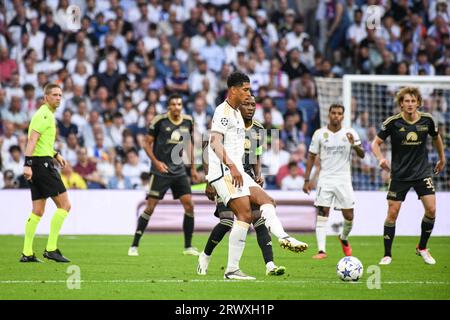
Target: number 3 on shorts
{"type": "Point", "coordinates": [429, 183]}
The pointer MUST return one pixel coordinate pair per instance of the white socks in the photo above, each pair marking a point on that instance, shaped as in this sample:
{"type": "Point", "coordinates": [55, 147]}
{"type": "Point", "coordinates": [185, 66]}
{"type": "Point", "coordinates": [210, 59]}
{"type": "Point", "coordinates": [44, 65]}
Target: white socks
{"type": "Point", "coordinates": [272, 221]}
{"type": "Point", "coordinates": [321, 232]}
{"type": "Point", "coordinates": [236, 244]}
{"type": "Point", "coordinates": [347, 228]}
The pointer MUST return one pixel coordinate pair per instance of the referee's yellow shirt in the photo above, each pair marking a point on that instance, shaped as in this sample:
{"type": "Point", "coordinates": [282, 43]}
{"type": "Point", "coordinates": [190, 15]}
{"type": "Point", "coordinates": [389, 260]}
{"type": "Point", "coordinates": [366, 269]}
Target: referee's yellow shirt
{"type": "Point", "coordinates": [44, 123]}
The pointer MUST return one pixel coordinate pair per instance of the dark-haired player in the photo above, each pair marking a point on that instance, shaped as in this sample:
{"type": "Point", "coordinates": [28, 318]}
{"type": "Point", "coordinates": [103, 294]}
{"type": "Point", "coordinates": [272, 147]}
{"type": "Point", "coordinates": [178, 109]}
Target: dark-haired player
{"type": "Point", "coordinates": [233, 186]}
{"type": "Point", "coordinates": [167, 136]}
{"type": "Point", "coordinates": [409, 131]}
{"type": "Point", "coordinates": [254, 135]}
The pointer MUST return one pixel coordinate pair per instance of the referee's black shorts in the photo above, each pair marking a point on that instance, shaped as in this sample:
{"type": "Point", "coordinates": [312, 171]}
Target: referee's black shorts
{"type": "Point", "coordinates": [45, 181]}
{"type": "Point", "coordinates": [159, 185]}
{"type": "Point", "coordinates": [398, 189]}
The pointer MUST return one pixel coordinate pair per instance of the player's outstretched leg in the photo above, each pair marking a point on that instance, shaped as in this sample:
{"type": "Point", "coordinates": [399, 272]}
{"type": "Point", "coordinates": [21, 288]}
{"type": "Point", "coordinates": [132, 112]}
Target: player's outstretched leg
{"type": "Point", "coordinates": [214, 239]}
{"type": "Point", "coordinates": [275, 227]}
{"type": "Point", "coordinates": [265, 243]}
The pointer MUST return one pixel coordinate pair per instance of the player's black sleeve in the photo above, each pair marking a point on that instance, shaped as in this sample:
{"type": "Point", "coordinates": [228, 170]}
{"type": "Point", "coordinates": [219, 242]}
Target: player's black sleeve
{"type": "Point", "coordinates": [385, 130]}
{"type": "Point", "coordinates": [432, 127]}
{"type": "Point", "coordinates": [153, 129]}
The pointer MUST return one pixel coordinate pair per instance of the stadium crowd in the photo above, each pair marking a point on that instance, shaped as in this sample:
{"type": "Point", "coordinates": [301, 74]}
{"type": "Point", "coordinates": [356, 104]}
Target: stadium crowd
{"type": "Point", "coordinates": [128, 56]}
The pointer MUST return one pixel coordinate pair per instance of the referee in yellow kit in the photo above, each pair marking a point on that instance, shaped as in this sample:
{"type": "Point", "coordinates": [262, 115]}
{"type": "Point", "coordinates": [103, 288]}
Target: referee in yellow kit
{"type": "Point", "coordinates": [44, 179]}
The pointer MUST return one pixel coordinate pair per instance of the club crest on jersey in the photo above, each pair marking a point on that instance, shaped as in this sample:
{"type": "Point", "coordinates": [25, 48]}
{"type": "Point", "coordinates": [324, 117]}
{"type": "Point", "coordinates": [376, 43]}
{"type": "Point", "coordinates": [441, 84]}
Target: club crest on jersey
{"type": "Point", "coordinates": [224, 121]}
{"type": "Point", "coordinates": [325, 135]}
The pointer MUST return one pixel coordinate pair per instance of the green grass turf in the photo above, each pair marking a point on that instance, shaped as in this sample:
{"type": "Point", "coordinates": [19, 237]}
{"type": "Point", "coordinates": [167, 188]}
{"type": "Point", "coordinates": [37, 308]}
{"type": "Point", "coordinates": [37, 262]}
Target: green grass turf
{"type": "Point", "coordinates": [162, 272]}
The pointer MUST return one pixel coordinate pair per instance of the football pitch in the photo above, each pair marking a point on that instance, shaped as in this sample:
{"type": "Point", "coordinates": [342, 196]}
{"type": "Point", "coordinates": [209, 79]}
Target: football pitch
{"type": "Point", "coordinates": [101, 269]}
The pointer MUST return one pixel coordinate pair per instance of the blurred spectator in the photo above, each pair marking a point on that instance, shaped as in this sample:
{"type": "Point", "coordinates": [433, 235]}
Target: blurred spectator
{"type": "Point", "coordinates": [86, 168]}
{"type": "Point", "coordinates": [9, 181]}
{"type": "Point", "coordinates": [275, 157]}
{"type": "Point", "coordinates": [15, 161]}
{"type": "Point", "coordinates": [298, 156]}
{"type": "Point", "coordinates": [293, 181]}
{"type": "Point", "coordinates": [133, 168]}
{"type": "Point", "coordinates": [119, 181]}
{"type": "Point", "coordinates": [15, 115]}
{"type": "Point", "coordinates": [65, 125]}
{"type": "Point", "coordinates": [70, 148]}
{"type": "Point", "coordinates": [71, 179]}
{"type": "Point", "coordinates": [268, 106]}
{"type": "Point", "coordinates": [7, 66]}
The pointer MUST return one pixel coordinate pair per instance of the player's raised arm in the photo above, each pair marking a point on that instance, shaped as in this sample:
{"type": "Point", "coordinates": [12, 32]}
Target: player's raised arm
{"type": "Point", "coordinates": [219, 150]}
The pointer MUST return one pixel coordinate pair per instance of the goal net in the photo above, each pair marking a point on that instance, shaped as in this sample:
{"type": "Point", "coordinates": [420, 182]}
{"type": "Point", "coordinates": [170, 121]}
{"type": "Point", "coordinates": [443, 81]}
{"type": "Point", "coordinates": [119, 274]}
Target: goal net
{"type": "Point", "coordinates": [368, 101]}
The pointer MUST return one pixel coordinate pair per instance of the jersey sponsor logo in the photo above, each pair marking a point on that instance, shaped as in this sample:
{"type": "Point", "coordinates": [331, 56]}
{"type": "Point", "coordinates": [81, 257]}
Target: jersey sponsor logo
{"type": "Point", "coordinates": [224, 121]}
{"type": "Point", "coordinates": [247, 144]}
{"type": "Point", "coordinates": [175, 138]}
{"type": "Point", "coordinates": [421, 128]}
{"type": "Point", "coordinates": [411, 139]}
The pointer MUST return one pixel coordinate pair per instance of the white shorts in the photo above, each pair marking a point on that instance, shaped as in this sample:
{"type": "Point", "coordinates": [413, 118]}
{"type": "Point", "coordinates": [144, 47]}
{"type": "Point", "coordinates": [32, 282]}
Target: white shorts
{"type": "Point", "coordinates": [226, 191]}
{"type": "Point", "coordinates": [341, 193]}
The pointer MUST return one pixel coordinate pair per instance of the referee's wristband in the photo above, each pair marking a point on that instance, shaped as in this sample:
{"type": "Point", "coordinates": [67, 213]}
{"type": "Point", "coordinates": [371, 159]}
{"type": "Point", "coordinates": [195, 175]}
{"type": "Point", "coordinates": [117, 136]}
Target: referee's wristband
{"type": "Point", "coordinates": [28, 162]}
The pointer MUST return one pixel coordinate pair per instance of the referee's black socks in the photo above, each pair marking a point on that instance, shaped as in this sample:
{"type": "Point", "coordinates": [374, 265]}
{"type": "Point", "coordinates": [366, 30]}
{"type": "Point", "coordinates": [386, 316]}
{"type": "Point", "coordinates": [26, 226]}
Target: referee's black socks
{"type": "Point", "coordinates": [388, 235]}
{"type": "Point", "coordinates": [427, 228]}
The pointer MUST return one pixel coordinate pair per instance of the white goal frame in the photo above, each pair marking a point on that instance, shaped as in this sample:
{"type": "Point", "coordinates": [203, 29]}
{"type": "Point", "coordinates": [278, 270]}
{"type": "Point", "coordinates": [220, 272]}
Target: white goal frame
{"type": "Point", "coordinates": [383, 79]}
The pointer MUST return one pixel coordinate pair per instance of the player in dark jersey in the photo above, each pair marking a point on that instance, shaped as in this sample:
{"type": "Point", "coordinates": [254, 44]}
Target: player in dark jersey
{"type": "Point", "coordinates": [252, 166]}
{"type": "Point", "coordinates": [410, 168]}
{"type": "Point", "coordinates": [167, 136]}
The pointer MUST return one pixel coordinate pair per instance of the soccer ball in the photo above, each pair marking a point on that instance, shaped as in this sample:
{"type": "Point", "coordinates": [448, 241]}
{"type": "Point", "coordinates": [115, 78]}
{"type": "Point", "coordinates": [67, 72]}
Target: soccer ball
{"type": "Point", "coordinates": [349, 269]}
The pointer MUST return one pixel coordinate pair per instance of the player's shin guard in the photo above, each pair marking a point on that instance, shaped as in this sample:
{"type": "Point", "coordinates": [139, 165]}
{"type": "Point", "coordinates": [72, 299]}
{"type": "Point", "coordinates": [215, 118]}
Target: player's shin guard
{"type": "Point", "coordinates": [272, 221]}
{"type": "Point", "coordinates": [264, 240]}
{"type": "Point", "coordinates": [30, 230]}
{"type": "Point", "coordinates": [348, 224]}
{"type": "Point", "coordinates": [188, 228]}
{"type": "Point", "coordinates": [388, 234]}
{"type": "Point", "coordinates": [236, 244]}
{"type": "Point", "coordinates": [217, 234]}
{"type": "Point", "coordinates": [56, 224]}
{"type": "Point", "coordinates": [427, 228]}
{"type": "Point", "coordinates": [141, 226]}
{"type": "Point", "coordinates": [321, 232]}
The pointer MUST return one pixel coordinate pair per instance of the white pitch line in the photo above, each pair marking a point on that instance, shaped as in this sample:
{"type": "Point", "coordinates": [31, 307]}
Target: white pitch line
{"type": "Point", "coordinates": [215, 281]}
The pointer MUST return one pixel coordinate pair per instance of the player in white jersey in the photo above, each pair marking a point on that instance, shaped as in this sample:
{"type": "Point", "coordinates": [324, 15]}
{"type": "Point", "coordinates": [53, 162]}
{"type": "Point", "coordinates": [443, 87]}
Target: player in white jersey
{"type": "Point", "coordinates": [227, 176]}
{"type": "Point", "coordinates": [334, 145]}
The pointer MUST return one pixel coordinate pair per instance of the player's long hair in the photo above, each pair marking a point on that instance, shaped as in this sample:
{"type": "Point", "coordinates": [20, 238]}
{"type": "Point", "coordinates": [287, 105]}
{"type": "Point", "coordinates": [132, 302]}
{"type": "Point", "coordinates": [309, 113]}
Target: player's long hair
{"type": "Point", "coordinates": [412, 91]}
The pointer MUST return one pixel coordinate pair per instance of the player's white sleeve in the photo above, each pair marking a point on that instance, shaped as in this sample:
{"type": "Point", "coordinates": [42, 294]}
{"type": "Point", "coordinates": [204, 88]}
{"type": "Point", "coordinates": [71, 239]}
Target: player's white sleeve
{"type": "Point", "coordinates": [314, 146]}
{"type": "Point", "coordinates": [355, 137]}
{"type": "Point", "coordinates": [219, 122]}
